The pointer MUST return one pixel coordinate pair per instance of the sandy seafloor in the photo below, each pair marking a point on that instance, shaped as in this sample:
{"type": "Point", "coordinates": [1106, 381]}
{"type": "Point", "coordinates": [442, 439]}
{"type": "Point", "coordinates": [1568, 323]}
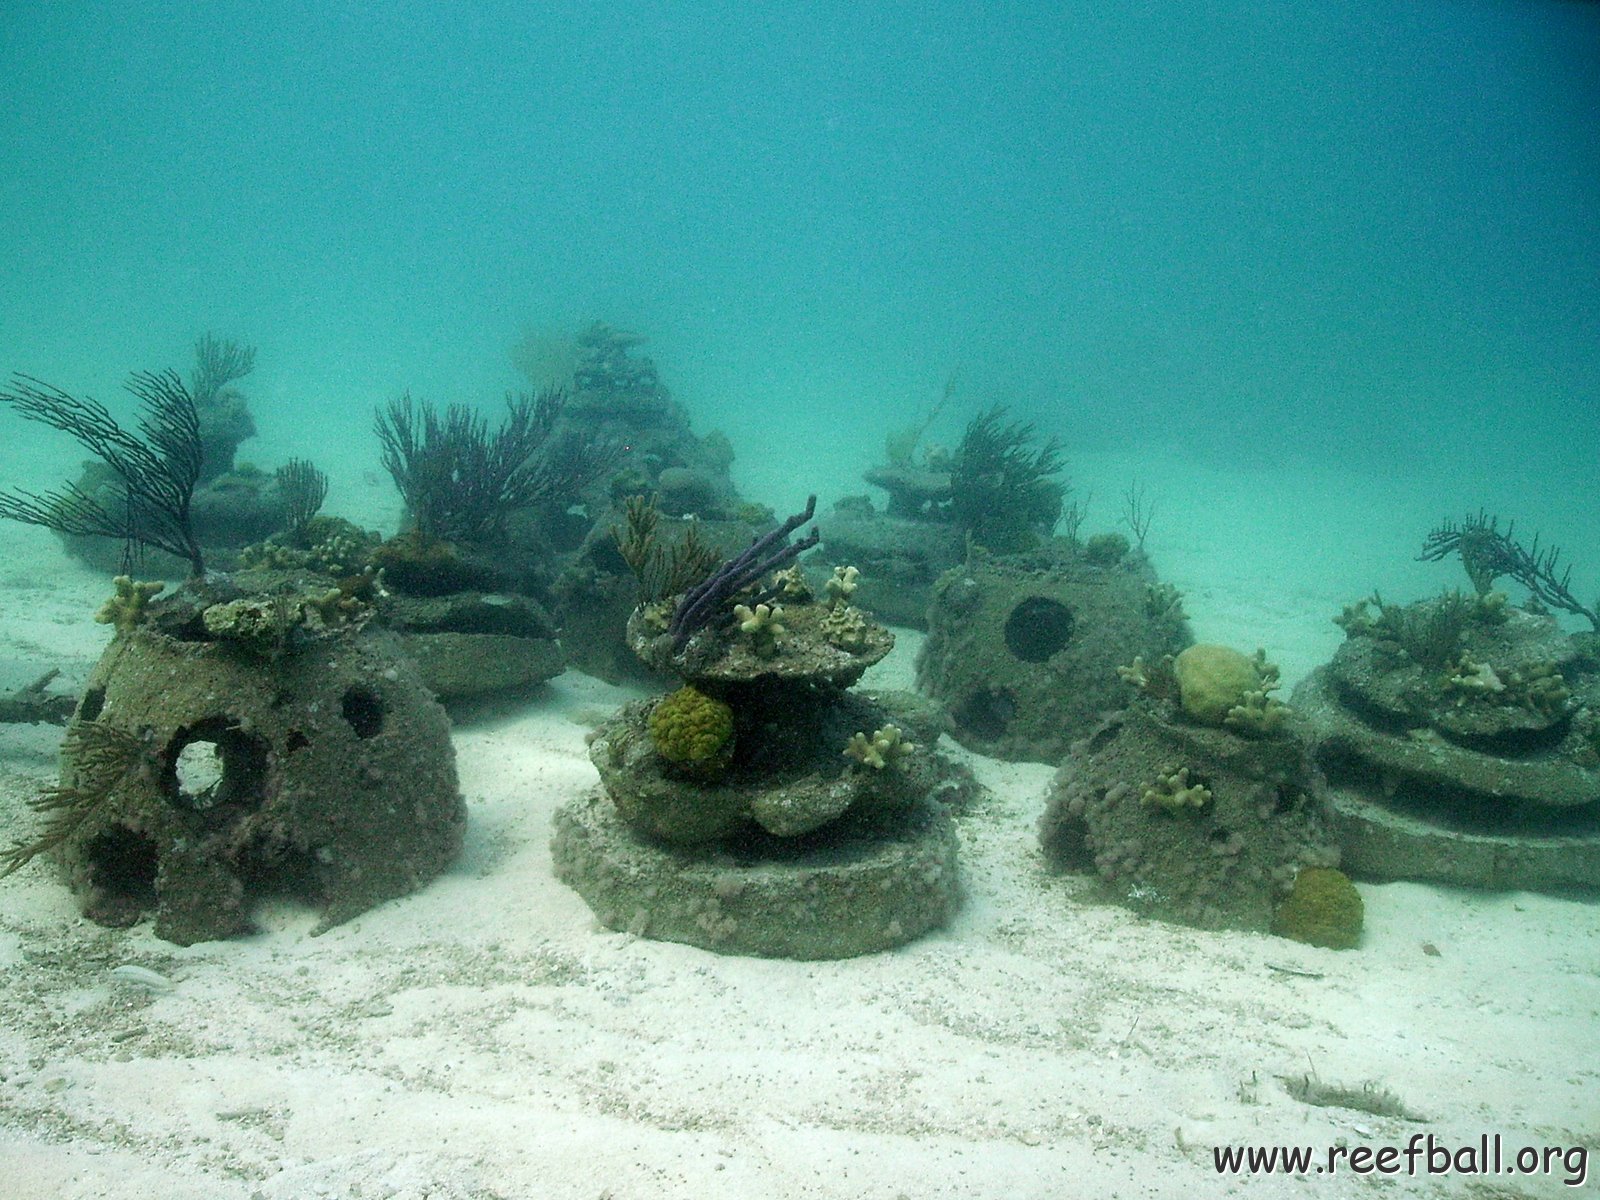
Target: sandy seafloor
{"type": "Point", "coordinates": [486, 1038]}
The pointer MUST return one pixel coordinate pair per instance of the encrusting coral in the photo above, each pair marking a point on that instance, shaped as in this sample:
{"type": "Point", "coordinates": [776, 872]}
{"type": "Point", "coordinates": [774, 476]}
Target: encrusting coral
{"type": "Point", "coordinates": [847, 628]}
{"type": "Point", "coordinates": [1322, 909]}
{"type": "Point", "coordinates": [280, 622]}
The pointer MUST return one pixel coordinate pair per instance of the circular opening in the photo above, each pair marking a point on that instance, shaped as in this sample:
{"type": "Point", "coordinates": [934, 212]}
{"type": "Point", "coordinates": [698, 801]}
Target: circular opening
{"type": "Point", "coordinates": [199, 769]}
{"type": "Point", "coordinates": [1038, 627]}
{"type": "Point", "coordinates": [215, 763]}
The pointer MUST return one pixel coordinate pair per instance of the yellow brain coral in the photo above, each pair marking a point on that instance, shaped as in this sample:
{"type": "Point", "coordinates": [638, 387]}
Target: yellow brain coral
{"type": "Point", "coordinates": [693, 730]}
{"type": "Point", "coordinates": [1323, 909]}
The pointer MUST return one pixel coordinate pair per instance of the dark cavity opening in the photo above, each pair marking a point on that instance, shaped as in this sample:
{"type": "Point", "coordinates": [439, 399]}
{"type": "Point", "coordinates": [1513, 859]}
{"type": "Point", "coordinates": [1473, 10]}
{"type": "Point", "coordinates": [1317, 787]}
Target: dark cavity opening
{"type": "Point", "coordinates": [121, 876]}
{"type": "Point", "coordinates": [363, 709]}
{"type": "Point", "coordinates": [1038, 627]}
{"type": "Point", "coordinates": [986, 714]}
{"type": "Point", "coordinates": [94, 700]}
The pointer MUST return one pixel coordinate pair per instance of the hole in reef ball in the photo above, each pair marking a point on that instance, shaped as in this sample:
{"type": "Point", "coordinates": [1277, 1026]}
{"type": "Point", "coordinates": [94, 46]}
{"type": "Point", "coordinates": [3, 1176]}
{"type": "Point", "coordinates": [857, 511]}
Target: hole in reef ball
{"type": "Point", "coordinates": [122, 871]}
{"type": "Point", "coordinates": [215, 762]}
{"type": "Point", "coordinates": [199, 768]}
{"type": "Point", "coordinates": [94, 700]}
{"type": "Point", "coordinates": [986, 714]}
{"type": "Point", "coordinates": [1038, 627]}
{"type": "Point", "coordinates": [364, 710]}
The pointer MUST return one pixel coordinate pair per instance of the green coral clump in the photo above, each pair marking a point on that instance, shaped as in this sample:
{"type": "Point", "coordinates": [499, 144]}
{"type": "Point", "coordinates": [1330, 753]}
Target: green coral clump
{"type": "Point", "coordinates": [1322, 909]}
{"type": "Point", "coordinates": [885, 748]}
{"type": "Point", "coordinates": [1155, 680]}
{"type": "Point", "coordinates": [1218, 685]}
{"type": "Point", "coordinates": [1428, 633]}
{"type": "Point", "coordinates": [692, 731]}
{"type": "Point", "coordinates": [327, 545]}
{"type": "Point", "coordinates": [128, 604]}
{"type": "Point", "coordinates": [277, 623]}
{"type": "Point", "coordinates": [1106, 549]}
{"type": "Point", "coordinates": [1539, 687]}
{"type": "Point", "coordinates": [847, 628]}
{"type": "Point", "coordinates": [1258, 713]}
{"type": "Point", "coordinates": [1163, 602]}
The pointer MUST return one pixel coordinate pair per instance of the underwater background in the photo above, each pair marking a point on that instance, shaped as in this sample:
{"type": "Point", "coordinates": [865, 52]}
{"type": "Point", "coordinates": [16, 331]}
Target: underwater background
{"type": "Point", "coordinates": [1350, 237]}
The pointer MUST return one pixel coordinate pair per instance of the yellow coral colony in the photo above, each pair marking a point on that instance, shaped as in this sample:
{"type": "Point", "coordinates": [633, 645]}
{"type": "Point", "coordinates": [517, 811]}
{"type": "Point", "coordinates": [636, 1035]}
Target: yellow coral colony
{"type": "Point", "coordinates": [1322, 909]}
{"type": "Point", "coordinates": [884, 748]}
{"type": "Point", "coordinates": [841, 586]}
{"type": "Point", "coordinates": [1218, 685]}
{"type": "Point", "coordinates": [691, 729]}
{"type": "Point", "coordinates": [126, 607]}
{"type": "Point", "coordinates": [762, 626]}
{"type": "Point", "coordinates": [1174, 793]}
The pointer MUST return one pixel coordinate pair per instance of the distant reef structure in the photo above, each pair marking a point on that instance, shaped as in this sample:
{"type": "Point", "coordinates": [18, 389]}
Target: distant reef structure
{"type": "Point", "coordinates": [683, 477]}
{"type": "Point", "coordinates": [999, 489]}
{"type": "Point", "coordinates": [170, 493]}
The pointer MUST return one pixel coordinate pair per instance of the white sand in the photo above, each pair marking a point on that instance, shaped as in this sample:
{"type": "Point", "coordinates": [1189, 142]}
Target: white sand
{"type": "Point", "coordinates": [485, 1038]}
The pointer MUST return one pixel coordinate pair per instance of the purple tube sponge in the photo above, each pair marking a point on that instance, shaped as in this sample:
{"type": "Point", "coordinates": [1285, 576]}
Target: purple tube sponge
{"type": "Point", "coordinates": [706, 601]}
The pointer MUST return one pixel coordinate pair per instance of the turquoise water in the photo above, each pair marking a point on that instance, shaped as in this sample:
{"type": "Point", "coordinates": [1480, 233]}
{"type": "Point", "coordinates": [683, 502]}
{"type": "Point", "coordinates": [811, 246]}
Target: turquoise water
{"type": "Point", "coordinates": [1351, 237]}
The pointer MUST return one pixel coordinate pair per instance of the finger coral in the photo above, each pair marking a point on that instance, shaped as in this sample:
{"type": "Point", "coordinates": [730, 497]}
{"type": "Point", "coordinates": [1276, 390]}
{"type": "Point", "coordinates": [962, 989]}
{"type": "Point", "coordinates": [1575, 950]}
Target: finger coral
{"type": "Point", "coordinates": [883, 749]}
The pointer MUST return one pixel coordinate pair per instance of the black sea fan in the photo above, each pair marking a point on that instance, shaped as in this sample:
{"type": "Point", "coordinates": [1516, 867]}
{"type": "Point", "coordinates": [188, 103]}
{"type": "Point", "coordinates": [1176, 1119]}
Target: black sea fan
{"type": "Point", "coordinates": [1001, 488]}
{"type": "Point", "coordinates": [460, 480]}
{"type": "Point", "coordinates": [156, 469]}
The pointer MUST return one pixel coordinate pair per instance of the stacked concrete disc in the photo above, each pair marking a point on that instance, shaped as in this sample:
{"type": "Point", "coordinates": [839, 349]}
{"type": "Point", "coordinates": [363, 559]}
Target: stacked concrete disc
{"type": "Point", "coordinates": [787, 845]}
{"type": "Point", "coordinates": [1479, 768]}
